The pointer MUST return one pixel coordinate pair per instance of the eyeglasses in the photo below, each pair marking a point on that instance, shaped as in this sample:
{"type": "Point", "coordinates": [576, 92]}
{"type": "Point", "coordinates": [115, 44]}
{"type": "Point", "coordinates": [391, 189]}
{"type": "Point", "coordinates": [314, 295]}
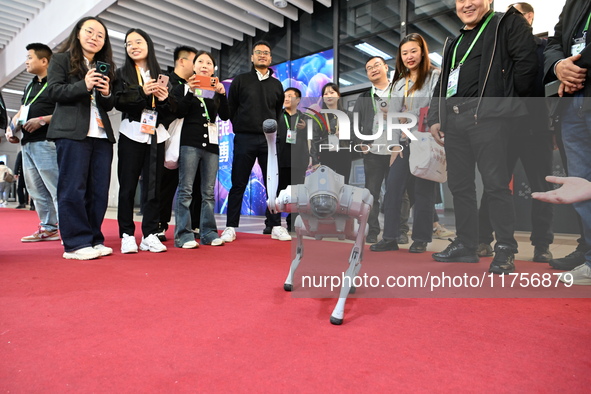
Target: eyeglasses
{"type": "Point", "coordinates": [266, 53]}
{"type": "Point", "coordinates": [90, 32]}
{"type": "Point", "coordinates": [375, 65]}
{"type": "Point", "coordinates": [131, 43]}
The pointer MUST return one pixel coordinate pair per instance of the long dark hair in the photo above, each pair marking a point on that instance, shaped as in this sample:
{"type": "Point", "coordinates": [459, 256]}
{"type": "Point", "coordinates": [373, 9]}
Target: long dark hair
{"type": "Point", "coordinates": [128, 69]}
{"type": "Point", "coordinates": [424, 68]}
{"type": "Point", "coordinates": [334, 87]}
{"type": "Point", "coordinates": [77, 64]}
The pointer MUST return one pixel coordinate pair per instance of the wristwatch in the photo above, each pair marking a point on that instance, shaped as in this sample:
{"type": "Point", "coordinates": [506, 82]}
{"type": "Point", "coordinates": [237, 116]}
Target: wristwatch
{"type": "Point", "coordinates": [41, 121]}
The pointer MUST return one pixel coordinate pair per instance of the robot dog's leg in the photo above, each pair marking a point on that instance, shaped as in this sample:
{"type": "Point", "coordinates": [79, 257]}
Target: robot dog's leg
{"type": "Point", "coordinates": [288, 285]}
{"type": "Point", "coordinates": [354, 266]}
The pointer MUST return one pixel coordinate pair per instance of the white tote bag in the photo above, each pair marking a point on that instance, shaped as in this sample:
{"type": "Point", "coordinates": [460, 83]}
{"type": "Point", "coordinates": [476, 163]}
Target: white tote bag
{"type": "Point", "coordinates": [427, 158]}
{"type": "Point", "coordinates": [172, 146]}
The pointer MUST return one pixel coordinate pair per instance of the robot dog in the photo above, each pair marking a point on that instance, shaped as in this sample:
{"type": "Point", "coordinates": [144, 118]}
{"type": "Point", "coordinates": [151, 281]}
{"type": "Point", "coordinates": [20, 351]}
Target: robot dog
{"type": "Point", "coordinates": [327, 209]}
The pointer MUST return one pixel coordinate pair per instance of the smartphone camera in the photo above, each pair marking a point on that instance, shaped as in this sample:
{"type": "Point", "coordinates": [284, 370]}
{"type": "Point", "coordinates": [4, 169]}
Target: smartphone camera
{"type": "Point", "coordinates": [103, 68]}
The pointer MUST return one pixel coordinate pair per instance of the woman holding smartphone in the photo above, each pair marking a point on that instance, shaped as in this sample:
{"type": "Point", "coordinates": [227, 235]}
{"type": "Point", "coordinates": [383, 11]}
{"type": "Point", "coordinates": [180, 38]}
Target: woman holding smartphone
{"type": "Point", "coordinates": [199, 149]}
{"type": "Point", "coordinates": [411, 92]}
{"type": "Point", "coordinates": [83, 137]}
{"type": "Point", "coordinates": [146, 112]}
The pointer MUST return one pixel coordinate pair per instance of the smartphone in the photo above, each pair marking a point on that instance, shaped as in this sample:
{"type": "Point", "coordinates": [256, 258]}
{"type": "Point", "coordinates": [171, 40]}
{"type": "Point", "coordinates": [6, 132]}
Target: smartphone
{"type": "Point", "coordinates": [103, 68]}
{"type": "Point", "coordinates": [163, 80]}
{"type": "Point", "coordinates": [208, 83]}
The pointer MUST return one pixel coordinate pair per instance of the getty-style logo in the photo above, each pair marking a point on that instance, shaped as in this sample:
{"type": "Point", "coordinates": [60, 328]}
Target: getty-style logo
{"type": "Point", "coordinates": [381, 125]}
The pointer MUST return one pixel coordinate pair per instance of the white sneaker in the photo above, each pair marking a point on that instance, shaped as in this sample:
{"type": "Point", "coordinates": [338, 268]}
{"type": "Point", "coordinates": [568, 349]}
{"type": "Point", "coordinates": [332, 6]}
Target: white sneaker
{"type": "Point", "coordinates": [103, 250]}
{"type": "Point", "coordinates": [280, 233]}
{"type": "Point", "coordinates": [128, 244]}
{"type": "Point", "coordinates": [190, 245]}
{"type": "Point", "coordinates": [581, 275]}
{"type": "Point", "coordinates": [87, 253]}
{"type": "Point", "coordinates": [153, 244]}
{"type": "Point", "coordinates": [217, 242]}
{"type": "Point", "coordinates": [229, 234]}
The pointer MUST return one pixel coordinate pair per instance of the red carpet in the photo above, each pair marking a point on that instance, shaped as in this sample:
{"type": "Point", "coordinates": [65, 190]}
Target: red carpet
{"type": "Point", "coordinates": [218, 320]}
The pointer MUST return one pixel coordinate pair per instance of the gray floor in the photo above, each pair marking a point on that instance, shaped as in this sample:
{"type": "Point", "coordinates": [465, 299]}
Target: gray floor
{"type": "Point", "coordinates": [563, 243]}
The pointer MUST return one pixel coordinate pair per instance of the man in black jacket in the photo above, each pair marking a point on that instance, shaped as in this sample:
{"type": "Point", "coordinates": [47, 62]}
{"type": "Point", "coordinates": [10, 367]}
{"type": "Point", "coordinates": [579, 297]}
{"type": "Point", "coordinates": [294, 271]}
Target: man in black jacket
{"type": "Point", "coordinates": [564, 61]}
{"type": "Point", "coordinates": [253, 97]}
{"type": "Point", "coordinates": [485, 69]}
{"type": "Point", "coordinates": [371, 106]}
{"type": "Point", "coordinates": [531, 143]}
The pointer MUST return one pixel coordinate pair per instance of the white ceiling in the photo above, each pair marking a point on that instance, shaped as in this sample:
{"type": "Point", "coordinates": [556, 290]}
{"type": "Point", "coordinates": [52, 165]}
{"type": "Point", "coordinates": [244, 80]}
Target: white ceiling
{"type": "Point", "coordinates": [204, 24]}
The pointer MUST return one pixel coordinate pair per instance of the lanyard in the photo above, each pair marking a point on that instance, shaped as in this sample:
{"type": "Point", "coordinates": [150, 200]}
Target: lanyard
{"type": "Point", "coordinates": [587, 26]}
{"type": "Point", "coordinates": [140, 80]}
{"type": "Point", "coordinates": [206, 111]}
{"type": "Point", "coordinates": [373, 94]}
{"type": "Point", "coordinates": [34, 98]}
{"type": "Point", "coordinates": [453, 59]}
{"type": "Point", "coordinates": [287, 121]}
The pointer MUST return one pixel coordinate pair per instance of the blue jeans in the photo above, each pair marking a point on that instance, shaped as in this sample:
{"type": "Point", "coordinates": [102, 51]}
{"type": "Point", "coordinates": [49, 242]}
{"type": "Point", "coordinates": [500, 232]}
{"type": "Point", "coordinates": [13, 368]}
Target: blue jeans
{"type": "Point", "coordinates": [83, 190]}
{"type": "Point", "coordinates": [190, 159]}
{"type": "Point", "coordinates": [4, 190]}
{"type": "Point", "coordinates": [576, 136]}
{"type": "Point", "coordinates": [423, 194]}
{"type": "Point", "coordinates": [41, 175]}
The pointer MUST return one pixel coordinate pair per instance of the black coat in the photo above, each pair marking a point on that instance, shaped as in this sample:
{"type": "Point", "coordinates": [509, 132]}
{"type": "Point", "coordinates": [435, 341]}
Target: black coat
{"type": "Point", "coordinates": [508, 69]}
{"type": "Point", "coordinates": [71, 118]}
{"type": "Point", "coordinates": [559, 45]}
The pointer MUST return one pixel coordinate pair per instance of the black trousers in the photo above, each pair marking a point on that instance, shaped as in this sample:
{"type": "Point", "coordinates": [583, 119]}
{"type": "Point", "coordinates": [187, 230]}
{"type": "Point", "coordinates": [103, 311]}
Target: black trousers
{"type": "Point", "coordinates": [247, 149]}
{"type": "Point", "coordinates": [484, 144]}
{"type": "Point", "coordinates": [134, 160]}
{"type": "Point", "coordinates": [21, 190]}
{"type": "Point", "coordinates": [376, 171]}
{"type": "Point", "coordinates": [534, 149]}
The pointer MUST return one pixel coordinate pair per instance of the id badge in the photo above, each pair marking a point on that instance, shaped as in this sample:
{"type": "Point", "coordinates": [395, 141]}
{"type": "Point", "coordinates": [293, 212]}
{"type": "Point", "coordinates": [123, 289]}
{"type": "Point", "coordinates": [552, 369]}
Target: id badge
{"type": "Point", "coordinates": [452, 83]}
{"type": "Point", "coordinates": [333, 141]}
{"type": "Point", "coordinates": [291, 136]}
{"type": "Point", "coordinates": [212, 131]}
{"type": "Point", "coordinates": [148, 121]}
{"type": "Point", "coordinates": [97, 116]}
{"type": "Point", "coordinates": [24, 115]}
{"type": "Point", "coordinates": [578, 46]}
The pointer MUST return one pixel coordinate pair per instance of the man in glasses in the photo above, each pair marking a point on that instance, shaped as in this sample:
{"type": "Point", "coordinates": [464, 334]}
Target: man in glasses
{"type": "Point", "coordinates": [253, 97]}
{"type": "Point", "coordinates": [371, 106]}
{"type": "Point", "coordinates": [485, 70]}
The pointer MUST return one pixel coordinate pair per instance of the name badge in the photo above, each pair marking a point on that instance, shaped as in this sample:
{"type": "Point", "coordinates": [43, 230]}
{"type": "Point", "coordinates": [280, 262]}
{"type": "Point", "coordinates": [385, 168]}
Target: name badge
{"type": "Point", "coordinates": [212, 131]}
{"type": "Point", "coordinates": [291, 136]}
{"type": "Point", "coordinates": [452, 83]}
{"type": "Point", "coordinates": [148, 121]}
{"type": "Point", "coordinates": [333, 141]}
{"type": "Point", "coordinates": [24, 115]}
{"type": "Point", "coordinates": [578, 46]}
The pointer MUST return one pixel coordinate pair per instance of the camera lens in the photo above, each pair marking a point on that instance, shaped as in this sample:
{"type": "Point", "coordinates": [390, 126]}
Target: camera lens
{"type": "Point", "coordinates": [103, 68]}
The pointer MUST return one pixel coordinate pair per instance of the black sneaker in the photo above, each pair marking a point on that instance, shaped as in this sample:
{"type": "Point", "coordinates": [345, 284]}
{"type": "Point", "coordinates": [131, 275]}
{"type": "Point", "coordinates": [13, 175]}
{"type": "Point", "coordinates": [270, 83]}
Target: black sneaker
{"type": "Point", "coordinates": [418, 247]}
{"type": "Point", "coordinates": [371, 239]}
{"type": "Point", "coordinates": [484, 250]}
{"type": "Point", "coordinates": [384, 246]}
{"type": "Point", "coordinates": [402, 239]}
{"type": "Point", "coordinates": [542, 254]}
{"type": "Point", "coordinates": [267, 230]}
{"type": "Point", "coordinates": [569, 262]}
{"type": "Point", "coordinates": [503, 263]}
{"type": "Point", "coordinates": [21, 206]}
{"type": "Point", "coordinates": [456, 252]}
